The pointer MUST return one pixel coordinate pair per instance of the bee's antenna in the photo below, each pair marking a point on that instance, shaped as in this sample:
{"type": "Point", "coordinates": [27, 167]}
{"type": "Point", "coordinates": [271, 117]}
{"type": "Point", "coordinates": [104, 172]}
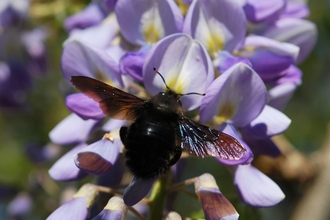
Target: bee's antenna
{"type": "Point", "coordinates": [189, 93]}
{"type": "Point", "coordinates": [193, 93]}
{"type": "Point", "coordinates": [156, 71]}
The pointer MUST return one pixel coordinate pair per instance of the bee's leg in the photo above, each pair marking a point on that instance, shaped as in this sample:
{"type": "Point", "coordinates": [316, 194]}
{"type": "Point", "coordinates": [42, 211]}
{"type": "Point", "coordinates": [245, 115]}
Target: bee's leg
{"type": "Point", "coordinates": [176, 156]}
{"type": "Point", "coordinates": [123, 134]}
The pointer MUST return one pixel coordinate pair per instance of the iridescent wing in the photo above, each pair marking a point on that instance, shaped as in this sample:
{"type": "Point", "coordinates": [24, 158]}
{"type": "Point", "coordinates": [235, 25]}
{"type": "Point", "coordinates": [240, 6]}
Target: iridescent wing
{"type": "Point", "coordinates": [202, 141]}
{"type": "Point", "coordinates": [113, 102]}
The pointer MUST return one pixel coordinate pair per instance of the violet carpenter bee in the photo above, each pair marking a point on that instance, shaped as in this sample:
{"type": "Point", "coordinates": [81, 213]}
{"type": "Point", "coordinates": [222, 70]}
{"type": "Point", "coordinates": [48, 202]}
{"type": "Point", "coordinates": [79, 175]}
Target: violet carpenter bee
{"type": "Point", "coordinates": [159, 131]}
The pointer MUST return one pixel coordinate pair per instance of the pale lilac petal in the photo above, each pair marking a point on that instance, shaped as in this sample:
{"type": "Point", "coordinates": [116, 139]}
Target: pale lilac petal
{"type": "Point", "coordinates": [255, 188]}
{"type": "Point", "coordinates": [236, 97]}
{"type": "Point", "coordinates": [301, 33]}
{"type": "Point", "coordinates": [248, 155]}
{"type": "Point", "coordinates": [84, 106]}
{"type": "Point", "coordinates": [280, 95]}
{"type": "Point", "coordinates": [132, 62]}
{"type": "Point", "coordinates": [217, 24]}
{"type": "Point", "coordinates": [137, 190]}
{"type": "Point", "coordinates": [90, 16]}
{"type": "Point", "coordinates": [295, 10]}
{"type": "Point", "coordinates": [112, 124]}
{"type": "Point", "coordinates": [64, 169]}
{"type": "Point", "coordinates": [106, 32]}
{"type": "Point", "coordinates": [148, 21]}
{"type": "Point", "coordinates": [81, 59]}
{"type": "Point", "coordinates": [269, 122]}
{"type": "Point", "coordinates": [98, 158]}
{"type": "Point", "coordinates": [72, 129]}
{"type": "Point", "coordinates": [264, 11]}
{"type": "Point", "coordinates": [76, 209]}
{"type": "Point", "coordinates": [20, 206]}
{"type": "Point", "coordinates": [185, 65]}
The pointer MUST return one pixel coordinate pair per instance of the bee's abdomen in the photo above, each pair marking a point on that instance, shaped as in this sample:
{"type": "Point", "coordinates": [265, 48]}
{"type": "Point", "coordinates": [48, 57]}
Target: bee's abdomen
{"type": "Point", "coordinates": [150, 148]}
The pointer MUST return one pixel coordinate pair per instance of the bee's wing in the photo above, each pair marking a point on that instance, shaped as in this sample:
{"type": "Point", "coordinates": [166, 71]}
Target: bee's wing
{"type": "Point", "coordinates": [202, 141]}
{"type": "Point", "coordinates": [115, 103]}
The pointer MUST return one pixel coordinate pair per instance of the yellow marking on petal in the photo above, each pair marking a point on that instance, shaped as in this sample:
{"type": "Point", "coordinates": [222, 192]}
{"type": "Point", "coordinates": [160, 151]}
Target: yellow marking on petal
{"type": "Point", "coordinates": [214, 44]}
{"type": "Point", "coordinates": [177, 85]}
{"type": "Point", "coordinates": [151, 33]}
{"type": "Point", "coordinates": [101, 76]}
{"type": "Point", "coordinates": [89, 191]}
{"type": "Point", "coordinates": [226, 112]}
{"type": "Point", "coordinates": [182, 6]}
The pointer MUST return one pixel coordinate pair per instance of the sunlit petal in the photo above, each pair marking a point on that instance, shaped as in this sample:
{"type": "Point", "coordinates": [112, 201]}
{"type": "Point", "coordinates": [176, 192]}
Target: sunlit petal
{"type": "Point", "coordinates": [185, 66]}
{"type": "Point", "coordinates": [236, 97]}
{"type": "Point", "coordinates": [147, 21]}
{"type": "Point", "coordinates": [255, 188]}
{"type": "Point", "coordinates": [218, 24]}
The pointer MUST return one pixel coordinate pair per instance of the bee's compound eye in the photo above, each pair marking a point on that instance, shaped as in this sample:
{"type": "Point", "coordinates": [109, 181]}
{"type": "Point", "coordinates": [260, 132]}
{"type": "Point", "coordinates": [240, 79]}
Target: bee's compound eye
{"type": "Point", "coordinates": [163, 93]}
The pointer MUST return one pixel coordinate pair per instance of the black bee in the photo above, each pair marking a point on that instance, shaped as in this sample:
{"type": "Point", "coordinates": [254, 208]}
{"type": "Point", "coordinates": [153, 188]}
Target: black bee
{"type": "Point", "coordinates": [160, 131]}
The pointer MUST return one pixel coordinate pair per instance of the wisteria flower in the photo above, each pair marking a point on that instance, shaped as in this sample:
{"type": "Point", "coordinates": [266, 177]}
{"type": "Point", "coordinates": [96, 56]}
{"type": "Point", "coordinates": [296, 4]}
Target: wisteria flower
{"type": "Point", "coordinates": [206, 54]}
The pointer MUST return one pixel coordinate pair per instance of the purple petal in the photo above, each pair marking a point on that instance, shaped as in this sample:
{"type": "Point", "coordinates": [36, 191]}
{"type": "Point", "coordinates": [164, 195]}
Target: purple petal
{"type": "Point", "coordinates": [132, 63]}
{"type": "Point", "coordinates": [81, 59]}
{"type": "Point", "coordinates": [64, 169]}
{"type": "Point", "coordinates": [90, 16]}
{"type": "Point", "coordinates": [34, 42]}
{"type": "Point", "coordinates": [269, 57]}
{"type": "Point", "coordinates": [225, 60]}
{"type": "Point", "coordinates": [255, 188]}
{"type": "Point", "coordinates": [280, 95]}
{"type": "Point", "coordinates": [110, 4]}
{"type": "Point", "coordinates": [76, 209]}
{"type": "Point", "coordinates": [262, 146]}
{"type": "Point", "coordinates": [270, 122]}
{"type": "Point", "coordinates": [248, 155]}
{"type": "Point", "coordinates": [185, 65]}
{"type": "Point", "coordinates": [13, 13]}
{"type": "Point", "coordinates": [71, 130]}
{"type": "Point", "coordinates": [237, 97]}
{"type": "Point", "coordinates": [114, 176]}
{"type": "Point", "coordinates": [148, 21]}
{"type": "Point", "coordinates": [84, 106]}
{"type": "Point", "coordinates": [291, 75]}
{"type": "Point", "coordinates": [295, 10]}
{"type": "Point", "coordinates": [264, 11]}
{"type": "Point", "coordinates": [301, 33]}
{"type": "Point", "coordinates": [99, 157]}
{"type": "Point", "coordinates": [40, 153]}
{"type": "Point", "coordinates": [137, 190]}
{"type": "Point", "coordinates": [114, 210]}
{"type": "Point", "coordinates": [218, 24]}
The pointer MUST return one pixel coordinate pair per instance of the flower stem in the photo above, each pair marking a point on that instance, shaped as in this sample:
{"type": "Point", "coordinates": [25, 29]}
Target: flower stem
{"type": "Point", "coordinates": [158, 196]}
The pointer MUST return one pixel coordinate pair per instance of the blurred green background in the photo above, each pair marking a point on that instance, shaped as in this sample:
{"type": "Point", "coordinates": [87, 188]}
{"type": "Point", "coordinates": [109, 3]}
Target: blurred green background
{"type": "Point", "coordinates": [309, 110]}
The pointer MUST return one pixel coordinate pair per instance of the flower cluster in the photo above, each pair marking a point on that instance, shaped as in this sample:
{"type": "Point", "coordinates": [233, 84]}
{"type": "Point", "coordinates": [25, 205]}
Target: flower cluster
{"type": "Point", "coordinates": [22, 52]}
{"type": "Point", "coordinates": [242, 54]}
